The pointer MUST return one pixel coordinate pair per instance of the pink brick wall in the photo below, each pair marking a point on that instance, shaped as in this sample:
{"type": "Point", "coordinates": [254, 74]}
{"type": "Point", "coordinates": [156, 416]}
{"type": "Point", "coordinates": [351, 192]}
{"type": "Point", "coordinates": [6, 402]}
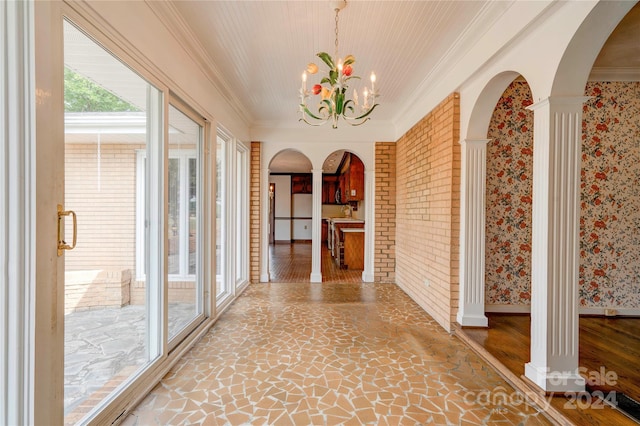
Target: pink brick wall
{"type": "Point", "coordinates": [427, 206]}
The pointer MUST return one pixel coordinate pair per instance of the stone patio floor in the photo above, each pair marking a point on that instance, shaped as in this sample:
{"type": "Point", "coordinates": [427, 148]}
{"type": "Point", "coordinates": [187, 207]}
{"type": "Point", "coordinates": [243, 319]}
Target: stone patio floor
{"type": "Point", "coordinates": [102, 343]}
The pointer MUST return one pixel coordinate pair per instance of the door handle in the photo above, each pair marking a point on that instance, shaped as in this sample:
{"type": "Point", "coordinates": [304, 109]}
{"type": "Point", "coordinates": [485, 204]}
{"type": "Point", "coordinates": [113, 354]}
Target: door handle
{"type": "Point", "coordinates": [62, 245]}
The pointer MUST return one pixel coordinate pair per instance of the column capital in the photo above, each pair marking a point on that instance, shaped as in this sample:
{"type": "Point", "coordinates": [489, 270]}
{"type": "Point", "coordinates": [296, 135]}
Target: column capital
{"type": "Point", "coordinates": [558, 101]}
{"type": "Point", "coordinates": [475, 142]}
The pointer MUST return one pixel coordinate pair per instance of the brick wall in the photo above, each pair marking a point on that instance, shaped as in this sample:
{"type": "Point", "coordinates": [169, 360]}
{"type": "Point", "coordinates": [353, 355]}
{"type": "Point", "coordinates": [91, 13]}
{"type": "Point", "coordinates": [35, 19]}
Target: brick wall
{"type": "Point", "coordinates": [254, 219]}
{"type": "Point", "coordinates": [101, 188]}
{"type": "Point", "coordinates": [427, 211]}
{"type": "Point", "coordinates": [385, 233]}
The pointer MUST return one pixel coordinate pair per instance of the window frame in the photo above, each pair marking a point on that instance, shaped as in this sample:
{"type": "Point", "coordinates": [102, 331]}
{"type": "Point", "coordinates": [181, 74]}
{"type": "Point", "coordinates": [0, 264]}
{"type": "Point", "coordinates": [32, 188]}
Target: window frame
{"type": "Point", "coordinates": [183, 156]}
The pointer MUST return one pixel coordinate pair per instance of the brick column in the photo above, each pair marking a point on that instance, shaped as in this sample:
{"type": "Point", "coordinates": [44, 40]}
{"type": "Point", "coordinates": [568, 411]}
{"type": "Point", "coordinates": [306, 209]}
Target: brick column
{"type": "Point", "coordinates": [555, 244]}
{"type": "Point", "coordinates": [254, 216]}
{"type": "Point", "coordinates": [264, 228]}
{"type": "Point", "coordinates": [385, 216]}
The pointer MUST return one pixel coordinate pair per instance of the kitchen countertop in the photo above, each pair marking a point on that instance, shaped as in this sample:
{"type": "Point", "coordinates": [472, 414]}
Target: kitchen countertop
{"type": "Point", "coordinates": [344, 220]}
{"type": "Point", "coordinates": [352, 230]}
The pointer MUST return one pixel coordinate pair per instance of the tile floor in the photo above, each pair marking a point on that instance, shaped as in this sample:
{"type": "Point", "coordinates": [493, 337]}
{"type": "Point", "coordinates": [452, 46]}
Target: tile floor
{"type": "Point", "coordinates": [329, 354]}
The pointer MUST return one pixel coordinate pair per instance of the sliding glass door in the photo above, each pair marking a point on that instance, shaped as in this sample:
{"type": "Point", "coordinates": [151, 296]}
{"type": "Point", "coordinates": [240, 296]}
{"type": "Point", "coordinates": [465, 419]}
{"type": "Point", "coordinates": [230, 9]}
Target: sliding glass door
{"type": "Point", "coordinates": [185, 295]}
{"type": "Point", "coordinates": [112, 320]}
{"type": "Point", "coordinates": [133, 188]}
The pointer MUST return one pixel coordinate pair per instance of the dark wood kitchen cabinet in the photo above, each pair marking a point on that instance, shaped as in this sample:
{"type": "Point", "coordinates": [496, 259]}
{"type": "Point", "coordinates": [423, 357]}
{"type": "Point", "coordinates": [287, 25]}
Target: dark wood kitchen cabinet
{"type": "Point", "coordinates": [329, 187]}
{"type": "Point", "coordinates": [301, 184]}
{"type": "Point", "coordinates": [347, 185]}
{"type": "Point", "coordinates": [352, 179]}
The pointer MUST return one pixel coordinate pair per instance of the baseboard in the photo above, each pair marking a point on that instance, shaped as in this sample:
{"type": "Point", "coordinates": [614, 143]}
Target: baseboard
{"type": "Point", "coordinates": [526, 309]}
{"type": "Point", "coordinates": [507, 309]}
{"type": "Point", "coordinates": [611, 312]}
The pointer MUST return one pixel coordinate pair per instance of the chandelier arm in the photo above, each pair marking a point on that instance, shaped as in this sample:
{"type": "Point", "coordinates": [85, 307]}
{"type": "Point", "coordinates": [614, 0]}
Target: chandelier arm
{"type": "Point", "coordinates": [310, 114]}
{"type": "Point", "coordinates": [361, 116]}
{"type": "Point", "coordinates": [322, 122]}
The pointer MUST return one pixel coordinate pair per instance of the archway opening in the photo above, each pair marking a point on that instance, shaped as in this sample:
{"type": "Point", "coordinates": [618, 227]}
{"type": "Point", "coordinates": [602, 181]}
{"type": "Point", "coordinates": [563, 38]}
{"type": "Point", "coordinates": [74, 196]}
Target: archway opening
{"type": "Point", "coordinates": [290, 217]}
{"type": "Point", "coordinates": [343, 217]}
{"type": "Point", "coordinates": [609, 218]}
{"type": "Point", "coordinates": [509, 186]}
{"type": "Point", "coordinates": [608, 287]}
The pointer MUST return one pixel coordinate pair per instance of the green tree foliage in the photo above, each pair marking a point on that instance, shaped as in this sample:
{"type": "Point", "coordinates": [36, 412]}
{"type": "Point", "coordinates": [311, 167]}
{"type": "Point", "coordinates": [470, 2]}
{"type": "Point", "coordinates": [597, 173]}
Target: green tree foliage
{"type": "Point", "coordinates": [83, 95]}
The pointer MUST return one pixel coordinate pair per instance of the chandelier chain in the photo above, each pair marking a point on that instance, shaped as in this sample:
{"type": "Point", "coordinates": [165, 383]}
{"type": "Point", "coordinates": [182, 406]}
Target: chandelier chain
{"type": "Point", "coordinates": [336, 52]}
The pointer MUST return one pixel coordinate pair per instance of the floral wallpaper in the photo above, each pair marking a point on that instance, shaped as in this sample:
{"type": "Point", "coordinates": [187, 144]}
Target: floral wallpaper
{"type": "Point", "coordinates": [610, 197]}
{"type": "Point", "coordinates": [509, 184]}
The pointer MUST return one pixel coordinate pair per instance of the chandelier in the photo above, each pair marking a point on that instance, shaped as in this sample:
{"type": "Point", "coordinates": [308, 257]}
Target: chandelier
{"type": "Point", "coordinates": [332, 89]}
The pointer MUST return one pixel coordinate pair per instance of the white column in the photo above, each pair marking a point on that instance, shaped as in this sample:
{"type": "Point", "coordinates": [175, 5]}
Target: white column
{"type": "Point", "coordinates": [472, 233]}
{"type": "Point", "coordinates": [555, 244]}
{"type": "Point", "coordinates": [264, 223]}
{"type": "Point", "coordinates": [316, 228]}
{"type": "Point", "coordinates": [369, 225]}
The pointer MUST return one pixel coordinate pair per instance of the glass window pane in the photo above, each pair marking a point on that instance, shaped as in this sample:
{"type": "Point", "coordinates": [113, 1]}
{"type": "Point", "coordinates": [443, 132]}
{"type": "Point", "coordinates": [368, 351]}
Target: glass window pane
{"type": "Point", "coordinates": [185, 140]}
{"type": "Point", "coordinates": [220, 216]}
{"type": "Point", "coordinates": [193, 208]}
{"type": "Point", "coordinates": [241, 226]}
{"type": "Point", "coordinates": [107, 319]}
{"type": "Point", "coordinates": [174, 216]}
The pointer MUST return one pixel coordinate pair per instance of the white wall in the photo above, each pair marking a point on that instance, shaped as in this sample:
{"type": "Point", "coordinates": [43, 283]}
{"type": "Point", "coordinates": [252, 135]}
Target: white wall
{"type": "Point", "coordinates": [301, 207]}
{"type": "Point", "coordinates": [282, 206]}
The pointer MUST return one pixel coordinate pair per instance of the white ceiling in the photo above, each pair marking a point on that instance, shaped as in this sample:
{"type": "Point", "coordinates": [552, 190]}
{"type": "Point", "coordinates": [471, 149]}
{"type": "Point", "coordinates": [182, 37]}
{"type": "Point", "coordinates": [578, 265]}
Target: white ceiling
{"type": "Point", "coordinates": [260, 48]}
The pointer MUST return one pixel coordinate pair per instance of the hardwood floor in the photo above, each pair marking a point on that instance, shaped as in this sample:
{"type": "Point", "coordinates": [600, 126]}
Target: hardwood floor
{"type": "Point", "coordinates": [291, 263]}
{"type": "Point", "coordinates": [609, 345]}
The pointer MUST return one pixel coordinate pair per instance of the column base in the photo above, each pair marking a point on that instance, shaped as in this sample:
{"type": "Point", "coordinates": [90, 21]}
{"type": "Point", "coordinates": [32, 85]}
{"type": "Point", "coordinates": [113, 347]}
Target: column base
{"type": "Point", "coordinates": [467, 320]}
{"type": "Point", "coordinates": [556, 381]}
{"type": "Point", "coordinates": [264, 278]}
{"type": "Point", "coordinates": [316, 277]}
{"type": "Point", "coordinates": [367, 278]}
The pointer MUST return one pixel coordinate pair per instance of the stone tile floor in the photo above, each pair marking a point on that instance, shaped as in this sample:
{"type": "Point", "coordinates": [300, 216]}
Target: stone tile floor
{"type": "Point", "coordinates": [329, 354]}
{"type": "Point", "coordinates": [101, 344]}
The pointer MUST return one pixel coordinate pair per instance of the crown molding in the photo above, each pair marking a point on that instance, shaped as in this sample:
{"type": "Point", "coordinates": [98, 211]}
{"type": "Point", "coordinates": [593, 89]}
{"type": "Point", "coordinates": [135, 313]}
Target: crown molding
{"type": "Point", "coordinates": [483, 22]}
{"type": "Point", "coordinates": [172, 19]}
{"type": "Point", "coordinates": [614, 74]}
{"type": "Point", "coordinates": [460, 58]}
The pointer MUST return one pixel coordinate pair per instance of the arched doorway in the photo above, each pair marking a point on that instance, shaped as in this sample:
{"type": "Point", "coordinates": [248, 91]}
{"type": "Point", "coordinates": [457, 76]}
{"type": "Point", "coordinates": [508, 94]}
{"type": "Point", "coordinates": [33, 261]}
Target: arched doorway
{"type": "Point", "coordinates": [317, 154]}
{"type": "Point", "coordinates": [290, 217]}
{"type": "Point", "coordinates": [563, 179]}
{"type": "Point", "coordinates": [343, 217]}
